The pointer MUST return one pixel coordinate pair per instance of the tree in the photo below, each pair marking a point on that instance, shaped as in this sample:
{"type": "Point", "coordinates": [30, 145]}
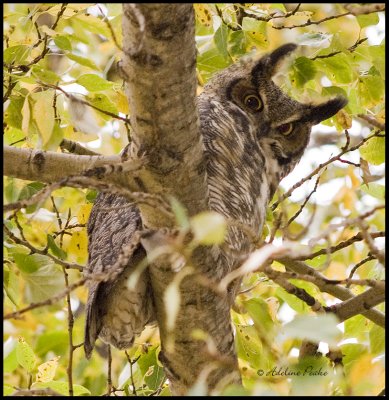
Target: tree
{"type": "Point", "coordinates": [45, 244]}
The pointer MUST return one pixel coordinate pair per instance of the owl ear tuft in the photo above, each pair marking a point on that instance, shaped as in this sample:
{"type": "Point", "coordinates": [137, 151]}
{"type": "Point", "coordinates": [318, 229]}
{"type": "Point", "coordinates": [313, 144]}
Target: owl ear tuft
{"type": "Point", "coordinates": [320, 112]}
{"type": "Point", "coordinates": [267, 66]}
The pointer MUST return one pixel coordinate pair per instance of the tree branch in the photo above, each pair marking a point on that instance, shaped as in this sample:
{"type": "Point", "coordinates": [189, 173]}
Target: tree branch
{"type": "Point", "coordinates": [359, 304]}
{"type": "Point", "coordinates": [48, 166]}
{"type": "Point", "coordinates": [335, 290]}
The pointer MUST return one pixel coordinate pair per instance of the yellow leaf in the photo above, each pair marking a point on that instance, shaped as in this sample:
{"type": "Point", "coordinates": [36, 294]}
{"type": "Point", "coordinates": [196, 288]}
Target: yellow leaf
{"type": "Point", "coordinates": [365, 376]}
{"type": "Point", "coordinates": [355, 182]}
{"type": "Point", "coordinates": [122, 103]}
{"type": "Point", "coordinates": [71, 134]}
{"type": "Point", "coordinates": [209, 228]}
{"type": "Point", "coordinates": [26, 116]}
{"type": "Point", "coordinates": [46, 371]}
{"type": "Point", "coordinates": [273, 304]}
{"type": "Point", "coordinates": [203, 14]}
{"type": "Point", "coordinates": [84, 212]}
{"type": "Point", "coordinates": [78, 244]}
{"type": "Point", "coordinates": [344, 119]}
{"type": "Point", "coordinates": [44, 114]}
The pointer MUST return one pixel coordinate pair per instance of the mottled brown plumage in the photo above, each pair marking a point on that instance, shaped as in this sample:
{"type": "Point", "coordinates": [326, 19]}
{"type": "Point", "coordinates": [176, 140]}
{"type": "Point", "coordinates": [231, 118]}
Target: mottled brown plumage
{"type": "Point", "coordinates": [253, 135]}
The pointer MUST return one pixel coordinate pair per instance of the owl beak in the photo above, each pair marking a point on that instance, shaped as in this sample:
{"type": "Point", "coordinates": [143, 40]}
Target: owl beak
{"type": "Point", "coordinates": [326, 110]}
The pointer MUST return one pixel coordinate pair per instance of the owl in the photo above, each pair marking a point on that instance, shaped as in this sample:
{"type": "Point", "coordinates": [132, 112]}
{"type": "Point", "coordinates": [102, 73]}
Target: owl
{"type": "Point", "coordinates": [253, 136]}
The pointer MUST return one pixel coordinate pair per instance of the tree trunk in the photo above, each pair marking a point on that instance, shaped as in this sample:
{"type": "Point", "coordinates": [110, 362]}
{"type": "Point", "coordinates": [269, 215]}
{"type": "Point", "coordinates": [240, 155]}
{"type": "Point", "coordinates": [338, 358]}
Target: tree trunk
{"type": "Point", "coordinates": [159, 66]}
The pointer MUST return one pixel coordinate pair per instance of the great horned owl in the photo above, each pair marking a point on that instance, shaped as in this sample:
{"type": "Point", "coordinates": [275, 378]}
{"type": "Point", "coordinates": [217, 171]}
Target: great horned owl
{"type": "Point", "coordinates": [253, 135]}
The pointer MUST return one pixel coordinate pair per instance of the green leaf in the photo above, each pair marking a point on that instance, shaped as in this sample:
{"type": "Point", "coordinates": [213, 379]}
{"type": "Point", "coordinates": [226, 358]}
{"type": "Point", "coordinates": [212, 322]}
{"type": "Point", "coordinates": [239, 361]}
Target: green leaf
{"type": "Point", "coordinates": [102, 102]}
{"type": "Point", "coordinates": [7, 390]}
{"type": "Point", "coordinates": [356, 327]}
{"type": "Point", "coordinates": [12, 191]}
{"type": "Point", "coordinates": [94, 25]}
{"type": "Point", "coordinates": [16, 54]}
{"type": "Point", "coordinates": [368, 19]}
{"type": "Point", "coordinates": [13, 112]}
{"type": "Point", "coordinates": [11, 285]}
{"type": "Point", "coordinates": [12, 135]}
{"type": "Point", "coordinates": [256, 30]}
{"type": "Point", "coordinates": [91, 196]}
{"type": "Point", "coordinates": [210, 62]}
{"type": "Point", "coordinates": [25, 355]}
{"type": "Point", "coordinates": [377, 339]}
{"type": "Point", "coordinates": [55, 139]}
{"type": "Point", "coordinates": [62, 388]}
{"type": "Point", "coordinates": [304, 70]}
{"type": "Point", "coordinates": [377, 54]}
{"type": "Point", "coordinates": [320, 328]}
{"type": "Point", "coordinates": [258, 310]}
{"type": "Point", "coordinates": [371, 89]}
{"type": "Point", "coordinates": [209, 228]}
{"type": "Point", "coordinates": [44, 283]}
{"type": "Point", "coordinates": [294, 302]}
{"type": "Point", "coordinates": [56, 342]}
{"type": "Point", "coordinates": [150, 369]}
{"type": "Point", "coordinates": [248, 345]}
{"type": "Point", "coordinates": [373, 150]}
{"type": "Point", "coordinates": [93, 82]}
{"type": "Point", "coordinates": [43, 112]}
{"type": "Point", "coordinates": [10, 362]}
{"type": "Point", "coordinates": [221, 39]}
{"type": "Point", "coordinates": [337, 67]}
{"type": "Point", "coordinates": [30, 189]}
{"type": "Point", "coordinates": [57, 251]}
{"type": "Point", "coordinates": [351, 353]}
{"type": "Point", "coordinates": [314, 39]}
{"type": "Point", "coordinates": [82, 61]}
{"type": "Point", "coordinates": [45, 75]}
{"type": "Point", "coordinates": [62, 42]}
{"type": "Point", "coordinates": [237, 43]}
{"type": "Point", "coordinates": [374, 189]}
{"type": "Point", "coordinates": [236, 390]}
{"type": "Point", "coordinates": [29, 263]}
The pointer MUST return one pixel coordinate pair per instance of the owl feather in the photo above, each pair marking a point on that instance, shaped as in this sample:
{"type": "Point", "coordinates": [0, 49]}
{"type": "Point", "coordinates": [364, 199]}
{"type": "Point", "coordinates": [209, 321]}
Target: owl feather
{"type": "Point", "coordinates": [253, 135]}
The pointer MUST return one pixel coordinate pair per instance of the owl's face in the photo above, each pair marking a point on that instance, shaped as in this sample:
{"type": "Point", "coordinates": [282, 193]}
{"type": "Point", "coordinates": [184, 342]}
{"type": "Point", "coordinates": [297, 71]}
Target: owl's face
{"type": "Point", "coordinates": [265, 115]}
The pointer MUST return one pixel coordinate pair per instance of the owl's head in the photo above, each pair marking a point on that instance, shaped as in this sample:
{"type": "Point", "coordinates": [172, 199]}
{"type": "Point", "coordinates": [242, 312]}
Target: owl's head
{"type": "Point", "coordinates": [262, 114]}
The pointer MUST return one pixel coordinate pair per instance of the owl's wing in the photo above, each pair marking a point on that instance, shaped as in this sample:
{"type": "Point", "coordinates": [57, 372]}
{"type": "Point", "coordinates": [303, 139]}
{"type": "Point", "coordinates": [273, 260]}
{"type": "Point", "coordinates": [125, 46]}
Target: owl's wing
{"type": "Point", "coordinates": [112, 224]}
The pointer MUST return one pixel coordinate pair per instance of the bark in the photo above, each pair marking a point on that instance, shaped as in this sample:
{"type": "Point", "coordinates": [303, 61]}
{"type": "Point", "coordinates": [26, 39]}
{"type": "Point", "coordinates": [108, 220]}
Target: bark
{"type": "Point", "coordinates": [337, 291]}
{"type": "Point", "coordinates": [159, 66]}
{"type": "Point", "coordinates": [49, 166]}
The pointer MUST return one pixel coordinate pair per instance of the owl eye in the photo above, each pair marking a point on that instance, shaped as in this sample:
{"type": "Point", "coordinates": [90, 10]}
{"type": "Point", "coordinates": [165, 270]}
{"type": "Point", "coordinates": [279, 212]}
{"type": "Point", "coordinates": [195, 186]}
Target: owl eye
{"type": "Point", "coordinates": [285, 129]}
{"type": "Point", "coordinates": [254, 102]}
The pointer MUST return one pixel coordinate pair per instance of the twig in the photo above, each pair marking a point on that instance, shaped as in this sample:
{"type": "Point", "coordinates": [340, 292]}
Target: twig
{"type": "Point", "coordinates": [356, 266]}
{"type": "Point", "coordinates": [43, 252]}
{"type": "Point", "coordinates": [350, 49]}
{"type": "Point", "coordinates": [109, 374]}
{"type": "Point", "coordinates": [69, 369]}
{"type": "Point", "coordinates": [47, 302]}
{"type": "Point", "coordinates": [66, 94]}
{"type": "Point", "coordinates": [305, 202]}
{"type": "Point", "coordinates": [352, 11]}
{"type": "Point", "coordinates": [370, 119]}
{"type": "Point", "coordinates": [332, 249]}
{"type": "Point", "coordinates": [320, 167]}
{"type": "Point", "coordinates": [106, 20]}
{"type": "Point", "coordinates": [132, 362]}
{"type": "Point", "coordinates": [76, 148]}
